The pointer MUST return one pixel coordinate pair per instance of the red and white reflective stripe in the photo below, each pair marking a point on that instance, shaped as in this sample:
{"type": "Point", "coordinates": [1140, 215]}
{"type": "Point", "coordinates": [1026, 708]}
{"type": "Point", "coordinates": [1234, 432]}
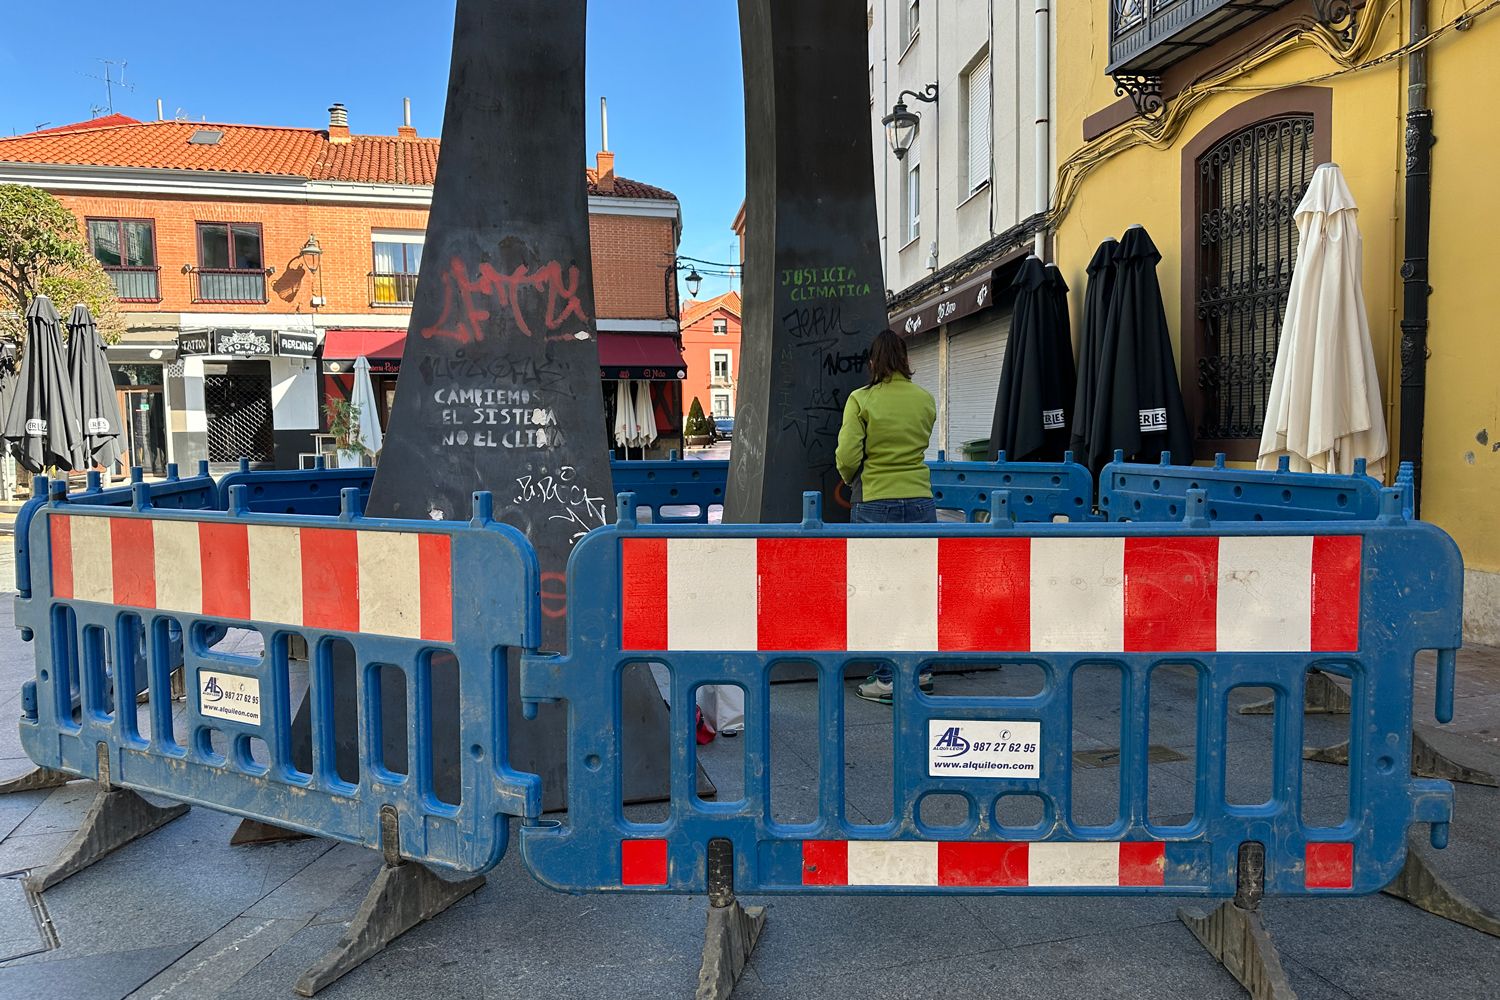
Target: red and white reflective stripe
{"type": "Point", "coordinates": [1073, 594]}
{"type": "Point", "coordinates": [971, 863]}
{"type": "Point", "coordinates": [394, 583]}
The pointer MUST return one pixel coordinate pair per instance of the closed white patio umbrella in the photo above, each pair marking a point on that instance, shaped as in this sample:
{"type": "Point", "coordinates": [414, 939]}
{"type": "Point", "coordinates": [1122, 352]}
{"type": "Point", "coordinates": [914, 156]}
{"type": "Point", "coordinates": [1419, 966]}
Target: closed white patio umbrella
{"type": "Point", "coordinates": [645, 416]}
{"type": "Point", "coordinates": [363, 396]}
{"type": "Point", "coordinates": [626, 427]}
{"type": "Point", "coordinates": [1324, 409]}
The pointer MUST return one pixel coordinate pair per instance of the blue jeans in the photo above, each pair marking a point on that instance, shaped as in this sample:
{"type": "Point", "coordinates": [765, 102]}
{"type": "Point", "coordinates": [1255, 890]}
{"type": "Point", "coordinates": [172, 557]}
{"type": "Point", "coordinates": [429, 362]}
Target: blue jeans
{"type": "Point", "coordinates": [915, 511]}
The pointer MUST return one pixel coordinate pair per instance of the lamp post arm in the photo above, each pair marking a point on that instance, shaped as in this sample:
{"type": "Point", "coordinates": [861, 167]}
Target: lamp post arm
{"type": "Point", "coordinates": [929, 94]}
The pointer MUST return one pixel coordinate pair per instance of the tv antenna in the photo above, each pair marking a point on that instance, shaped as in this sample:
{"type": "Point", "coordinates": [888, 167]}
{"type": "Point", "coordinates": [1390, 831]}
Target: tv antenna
{"type": "Point", "coordinates": [110, 83]}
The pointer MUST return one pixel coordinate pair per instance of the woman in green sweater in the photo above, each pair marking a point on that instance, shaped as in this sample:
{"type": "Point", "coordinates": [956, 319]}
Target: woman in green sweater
{"type": "Point", "coordinates": [883, 444]}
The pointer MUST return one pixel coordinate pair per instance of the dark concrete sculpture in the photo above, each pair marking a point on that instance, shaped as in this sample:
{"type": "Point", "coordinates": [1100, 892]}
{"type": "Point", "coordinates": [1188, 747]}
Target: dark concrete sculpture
{"type": "Point", "coordinates": [500, 386]}
{"type": "Point", "coordinates": [814, 291]}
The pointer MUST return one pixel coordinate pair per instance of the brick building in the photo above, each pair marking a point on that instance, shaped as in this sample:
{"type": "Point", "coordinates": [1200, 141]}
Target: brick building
{"type": "Point", "coordinates": [711, 348]}
{"type": "Point", "coordinates": [255, 263]}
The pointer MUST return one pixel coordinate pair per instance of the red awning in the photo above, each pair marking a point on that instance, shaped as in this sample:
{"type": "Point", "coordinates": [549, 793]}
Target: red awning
{"type": "Point", "coordinates": [346, 345]}
{"type": "Point", "coordinates": [652, 356]}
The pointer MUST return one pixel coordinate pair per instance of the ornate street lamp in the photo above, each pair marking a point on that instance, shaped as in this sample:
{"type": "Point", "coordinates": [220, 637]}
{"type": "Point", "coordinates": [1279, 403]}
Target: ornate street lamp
{"type": "Point", "coordinates": [694, 282]}
{"type": "Point", "coordinates": [901, 124]}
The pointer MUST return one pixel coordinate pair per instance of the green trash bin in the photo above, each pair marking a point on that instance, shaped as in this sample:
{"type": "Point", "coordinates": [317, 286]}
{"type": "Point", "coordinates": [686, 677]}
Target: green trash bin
{"type": "Point", "coordinates": [976, 451]}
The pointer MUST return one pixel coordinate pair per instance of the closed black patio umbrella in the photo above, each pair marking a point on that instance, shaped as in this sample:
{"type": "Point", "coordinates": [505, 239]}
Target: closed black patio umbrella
{"type": "Point", "coordinates": [41, 424]}
{"type": "Point", "coordinates": [1139, 406]}
{"type": "Point", "coordinates": [1037, 375]}
{"type": "Point", "coordinates": [1097, 297]}
{"type": "Point", "coordinates": [93, 391]}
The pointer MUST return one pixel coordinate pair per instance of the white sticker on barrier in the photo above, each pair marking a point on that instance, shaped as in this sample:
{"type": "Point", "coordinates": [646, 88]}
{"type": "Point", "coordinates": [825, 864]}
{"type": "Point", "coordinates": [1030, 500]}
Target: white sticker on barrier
{"type": "Point", "coordinates": [229, 696]}
{"type": "Point", "coordinates": [973, 749]}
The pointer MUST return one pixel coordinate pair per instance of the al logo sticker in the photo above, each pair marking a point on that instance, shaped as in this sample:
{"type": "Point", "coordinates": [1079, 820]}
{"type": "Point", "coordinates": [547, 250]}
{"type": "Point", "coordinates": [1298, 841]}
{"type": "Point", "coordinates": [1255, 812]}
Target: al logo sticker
{"type": "Point", "coordinates": [229, 696]}
{"type": "Point", "coordinates": [973, 749]}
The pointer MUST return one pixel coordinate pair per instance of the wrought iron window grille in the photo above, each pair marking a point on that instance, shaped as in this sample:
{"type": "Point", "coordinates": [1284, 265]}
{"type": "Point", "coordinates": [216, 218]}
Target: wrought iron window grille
{"type": "Point", "coordinates": [1249, 187]}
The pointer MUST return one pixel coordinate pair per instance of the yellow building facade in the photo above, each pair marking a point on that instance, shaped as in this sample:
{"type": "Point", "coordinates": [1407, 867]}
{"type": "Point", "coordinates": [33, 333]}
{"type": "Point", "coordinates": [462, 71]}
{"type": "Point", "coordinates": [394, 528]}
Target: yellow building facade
{"type": "Point", "coordinates": [1242, 119]}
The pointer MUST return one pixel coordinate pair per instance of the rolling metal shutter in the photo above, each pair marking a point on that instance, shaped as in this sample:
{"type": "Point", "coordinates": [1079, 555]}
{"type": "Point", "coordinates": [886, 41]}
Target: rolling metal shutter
{"type": "Point", "coordinates": [974, 359]}
{"type": "Point", "coordinates": [922, 352]}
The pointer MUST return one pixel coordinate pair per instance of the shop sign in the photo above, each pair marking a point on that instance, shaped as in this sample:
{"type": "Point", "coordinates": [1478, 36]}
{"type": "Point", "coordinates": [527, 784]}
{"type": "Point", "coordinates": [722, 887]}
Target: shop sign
{"type": "Point", "coordinates": [197, 342]}
{"type": "Point", "coordinates": [965, 300]}
{"type": "Point", "coordinates": [243, 343]}
{"type": "Point", "coordinates": [296, 345]}
{"type": "Point", "coordinates": [378, 366]}
{"type": "Point", "coordinates": [640, 373]}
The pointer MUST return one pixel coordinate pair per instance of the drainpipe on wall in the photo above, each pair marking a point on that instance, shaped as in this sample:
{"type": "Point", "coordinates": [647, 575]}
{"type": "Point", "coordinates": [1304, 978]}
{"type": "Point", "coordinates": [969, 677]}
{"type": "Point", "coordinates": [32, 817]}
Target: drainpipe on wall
{"type": "Point", "coordinates": [1414, 270]}
{"type": "Point", "coordinates": [1043, 119]}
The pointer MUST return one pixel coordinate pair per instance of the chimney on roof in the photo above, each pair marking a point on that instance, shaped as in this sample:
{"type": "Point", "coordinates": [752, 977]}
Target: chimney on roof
{"type": "Point", "coordinates": [606, 180]}
{"type": "Point", "coordinates": [606, 162]}
{"type": "Point", "coordinates": [338, 124]}
{"type": "Point", "coordinates": [406, 131]}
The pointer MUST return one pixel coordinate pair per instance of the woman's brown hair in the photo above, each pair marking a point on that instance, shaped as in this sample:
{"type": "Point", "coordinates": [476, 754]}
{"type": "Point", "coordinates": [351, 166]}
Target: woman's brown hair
{"type": "Point", "coordinates": [888, 357]}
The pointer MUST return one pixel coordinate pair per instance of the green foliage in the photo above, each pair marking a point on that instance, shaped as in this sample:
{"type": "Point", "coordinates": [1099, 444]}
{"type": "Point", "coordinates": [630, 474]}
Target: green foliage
{"type": "Point", "coordinates": [343, 423]}
{"type": "Point", "coordinates": [697, 424]}
{"type": "Point", "coordinates": [43, 252]}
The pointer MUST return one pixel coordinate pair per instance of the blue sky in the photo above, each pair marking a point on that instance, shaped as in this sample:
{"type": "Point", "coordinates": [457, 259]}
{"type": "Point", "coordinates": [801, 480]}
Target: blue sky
{"type": "Point", "coordinates": [670, 68]}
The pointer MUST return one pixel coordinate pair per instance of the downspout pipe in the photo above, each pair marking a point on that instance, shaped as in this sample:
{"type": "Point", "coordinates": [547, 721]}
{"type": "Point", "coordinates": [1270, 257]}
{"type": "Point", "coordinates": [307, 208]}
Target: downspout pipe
{"type": "Point", "coordinates": [1043, 60]}
{"type": "Point", "coordinates": [1414, 269]}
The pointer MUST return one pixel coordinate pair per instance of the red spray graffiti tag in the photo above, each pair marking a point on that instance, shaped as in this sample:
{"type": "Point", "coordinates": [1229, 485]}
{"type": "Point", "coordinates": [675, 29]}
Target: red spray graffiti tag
{"type": "Point", "coordinates": [467, 301]}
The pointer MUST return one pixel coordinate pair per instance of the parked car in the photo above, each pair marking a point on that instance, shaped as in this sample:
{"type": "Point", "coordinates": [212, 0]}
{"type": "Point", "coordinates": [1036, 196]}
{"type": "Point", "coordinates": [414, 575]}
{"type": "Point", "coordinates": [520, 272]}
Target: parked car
{"type": "Point", "coordinates": [724, 428]}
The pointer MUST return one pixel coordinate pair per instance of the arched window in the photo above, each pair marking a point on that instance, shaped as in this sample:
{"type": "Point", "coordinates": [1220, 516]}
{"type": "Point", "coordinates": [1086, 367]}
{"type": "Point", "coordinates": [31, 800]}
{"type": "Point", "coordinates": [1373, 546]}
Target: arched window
{"type": "Point", "coordinates": [1248, 188]}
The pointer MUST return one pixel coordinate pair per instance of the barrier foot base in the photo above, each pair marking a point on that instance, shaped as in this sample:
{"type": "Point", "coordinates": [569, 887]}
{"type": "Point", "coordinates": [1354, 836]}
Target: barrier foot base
{"type": "Point", "coordinates": [1235, 936]}
{"type": "Point", "coordinates": [1427, 761]}
{"type": "Point", "coordinates": [252, 833]}
{"type": "Point", "coordinates": [36, 780]}
{"type": "Point", "coordinates": [1425, 889]}
{"type": "Point", "coordinates": [403, 896]}
{"type": "Point", "coordinates": [732, 933]}
{"type": "Point", "coordinates": [117, 817]}
{"type": "Point", "coordinates": [1322, 697]}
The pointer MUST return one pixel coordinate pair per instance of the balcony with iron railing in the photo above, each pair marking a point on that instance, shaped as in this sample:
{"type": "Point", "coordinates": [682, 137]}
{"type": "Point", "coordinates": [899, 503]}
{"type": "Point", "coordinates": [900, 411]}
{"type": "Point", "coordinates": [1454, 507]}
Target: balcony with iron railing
{"type": "Point", "coordinates": [135, 284]}
{"type": "Point", "coordinates": [1147, 36]}
{"type": "Point", "coordinates": [229, 286]}
{"type": "Point", "coordinates": [397, 289]}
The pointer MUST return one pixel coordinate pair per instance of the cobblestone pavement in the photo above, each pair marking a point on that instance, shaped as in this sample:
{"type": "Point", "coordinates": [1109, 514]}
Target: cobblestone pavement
{"type": "Point", "coordinates": [181, 914]}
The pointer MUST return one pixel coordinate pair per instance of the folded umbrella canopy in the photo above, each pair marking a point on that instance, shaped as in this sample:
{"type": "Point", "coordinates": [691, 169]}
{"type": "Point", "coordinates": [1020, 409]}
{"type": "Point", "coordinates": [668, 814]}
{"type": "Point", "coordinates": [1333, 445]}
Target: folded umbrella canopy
{"type": "Point", "coordinates": [1324, 408]}
{"type": "Point", "coordinates": [645, 416]}
{"type": "Point", "coordinates": [93, 391]}
{"type": "Point", "coordinates": [368, 433]}
{"type": "Point", "coordinates": [1037, 375]}
{"type": "Point", "coordinates": [627, 429]}
{"type": "Point", "coordinates": [1097, 297]}
{"type": "Point", "coordinates": [1139, 405]}
{"type": "Point", "coordinates": [41, 425]}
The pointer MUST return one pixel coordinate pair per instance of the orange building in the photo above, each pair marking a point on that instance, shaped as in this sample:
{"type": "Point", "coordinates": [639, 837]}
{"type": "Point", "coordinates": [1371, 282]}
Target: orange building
{"type": "Point", "coordinates": [711, 348]}
{"type": "Point", "coordinates": [255, 263]}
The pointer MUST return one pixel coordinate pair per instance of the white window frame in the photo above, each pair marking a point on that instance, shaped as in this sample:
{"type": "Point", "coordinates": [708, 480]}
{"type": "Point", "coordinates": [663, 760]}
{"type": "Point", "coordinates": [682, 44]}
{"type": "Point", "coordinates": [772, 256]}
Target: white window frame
{"type": "Point", "coordinates": [721, 396]}
{"type": "Point", "coordinates": [911, 194]}
{"type": "Point", "coordinates": [727, 357]}
{"type": "Point", "coordinates": [911, 22]}
{"type": "Point", "coordinates": [977, 83]}
{"type": "Point", "coordinates": [721, 327]}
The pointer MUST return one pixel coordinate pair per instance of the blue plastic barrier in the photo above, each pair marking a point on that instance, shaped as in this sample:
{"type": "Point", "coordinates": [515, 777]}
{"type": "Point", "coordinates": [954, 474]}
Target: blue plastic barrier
{"type": "Point", "coordinates": [674, 491]}
{"type": "Point", "coordinates": [1039, 491]}
{"type": "Point", "coordinates": [316, 491]}
{"type": "Point", "coordinates": [1242, 604]}
{"type": "Point", "coordinates": [406, 596]}
{"type": "Point", "coordinates": [1131, 492]}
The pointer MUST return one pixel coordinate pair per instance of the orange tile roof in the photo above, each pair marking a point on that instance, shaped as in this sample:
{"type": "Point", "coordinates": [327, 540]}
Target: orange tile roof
{"type": "Point", "coordinates": [694, 310]}
{"type": "Point", "coordinates": [117, 141]}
